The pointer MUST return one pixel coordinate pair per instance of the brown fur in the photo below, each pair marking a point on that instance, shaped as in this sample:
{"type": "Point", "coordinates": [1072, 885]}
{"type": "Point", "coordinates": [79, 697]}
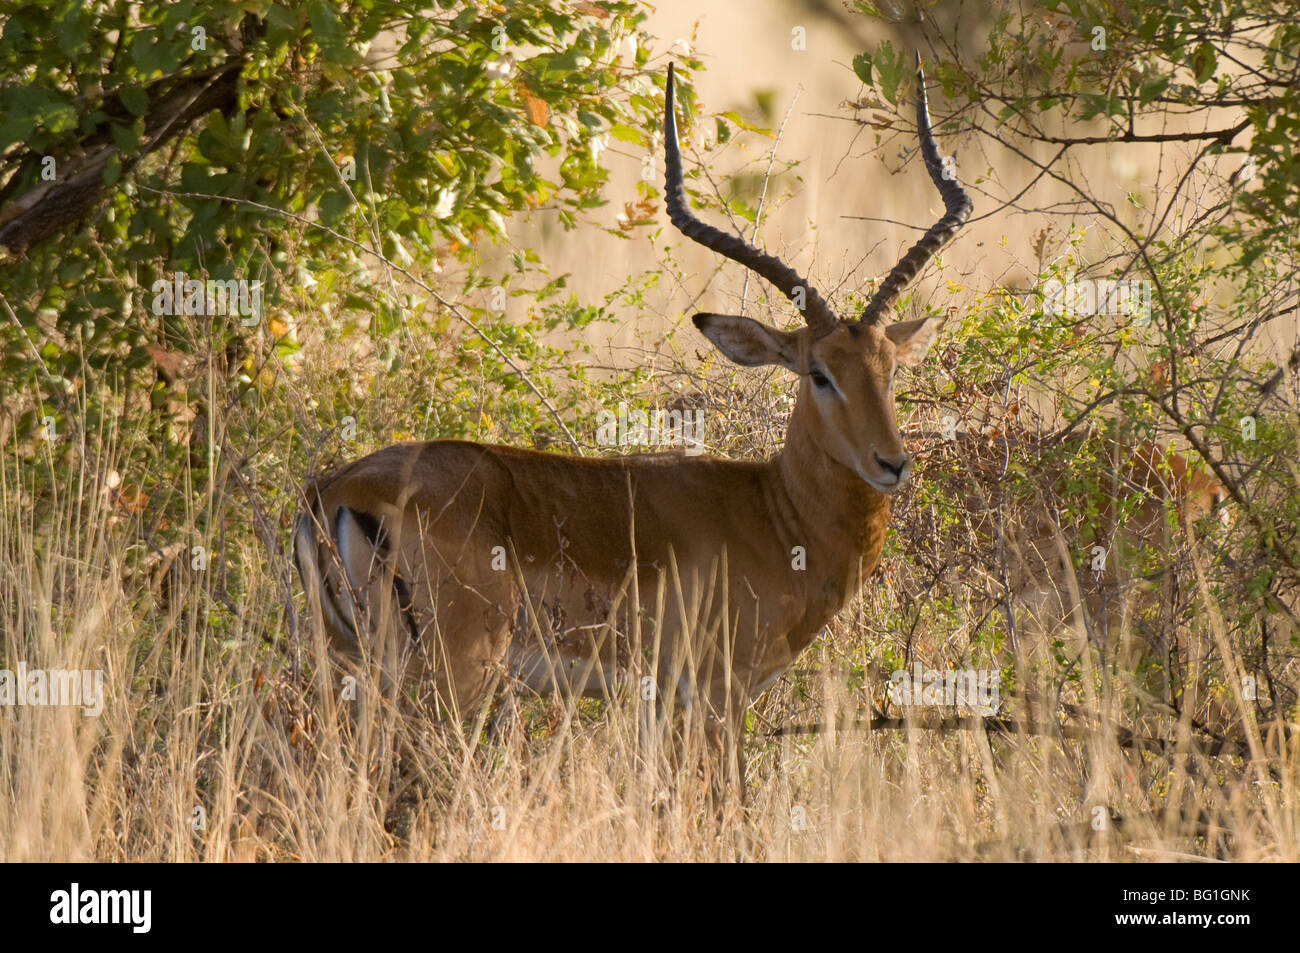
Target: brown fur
{"type": "Point", "coordinates": [719, 537]}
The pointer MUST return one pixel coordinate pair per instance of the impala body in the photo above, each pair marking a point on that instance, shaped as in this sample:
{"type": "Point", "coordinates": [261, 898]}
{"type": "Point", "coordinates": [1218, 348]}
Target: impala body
{"type": "Point", "coordinates": [718, 530]}
{"type": "Point", "coordinates": [458, 563]}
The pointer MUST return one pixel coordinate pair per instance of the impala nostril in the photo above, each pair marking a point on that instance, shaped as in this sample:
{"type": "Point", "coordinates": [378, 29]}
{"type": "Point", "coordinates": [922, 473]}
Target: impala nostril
{"type": "Point", "coordinates": [895, 466]}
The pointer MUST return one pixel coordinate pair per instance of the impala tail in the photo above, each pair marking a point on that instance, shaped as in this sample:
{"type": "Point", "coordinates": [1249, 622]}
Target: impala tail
{"type": "Point", "coordinates": [346, 564]}
{"type": "Point", "coordinates": [318, 552]}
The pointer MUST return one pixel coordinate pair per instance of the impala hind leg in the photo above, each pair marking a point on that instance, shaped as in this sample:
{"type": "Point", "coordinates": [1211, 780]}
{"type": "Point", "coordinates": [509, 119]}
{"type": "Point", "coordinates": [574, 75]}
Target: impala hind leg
{"type": "Point", "coordinates": [439, 639]}
{"type": "Point", "coordinates": [464, 644]}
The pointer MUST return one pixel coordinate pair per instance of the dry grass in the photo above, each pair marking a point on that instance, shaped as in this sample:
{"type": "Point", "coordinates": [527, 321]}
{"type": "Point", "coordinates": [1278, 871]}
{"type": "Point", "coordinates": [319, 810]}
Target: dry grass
{"type": "Point", "coordinates": [224, 736]}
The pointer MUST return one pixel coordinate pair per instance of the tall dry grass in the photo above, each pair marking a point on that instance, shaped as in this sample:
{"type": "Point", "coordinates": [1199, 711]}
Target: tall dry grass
{"type": "Point", "coordinates": [225, 733]}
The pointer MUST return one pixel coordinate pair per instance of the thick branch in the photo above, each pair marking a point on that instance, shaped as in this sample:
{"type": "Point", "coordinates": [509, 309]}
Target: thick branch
{"type": "Point", "coordinates": [50, 207]}
{"type": "Point", "coordinates": [1223, 136]}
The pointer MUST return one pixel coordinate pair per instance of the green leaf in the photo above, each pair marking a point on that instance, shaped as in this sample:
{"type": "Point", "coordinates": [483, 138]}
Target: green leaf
{"type": "Point", "coordinates": [154, 55]}
{"type": "Point", "coordinates": [734, 118]}
{"type": "Point", "coordinates": [1152, 87]}
{"type": "Point", "coordinates": [54, 112]}
{"type": "Point", "coordinates": [1204, 62]}
{"type": "Point", "coordinates": [135, 99]}
{"type": "Point", "coordinates": [281, 26]}
{"type": "Point", "coordinates": [326, 28]}
{"type": "Point", "coordinates": [73, 33]}
{"type": "Point", "coordinates": [15, 128]}
{"type": "Point", "coordinates": [627, 134]}
{"type": "Point", "coordinates": [126, 138]}
{"type": "Point", "coordinates": [334, 205]}
{"type": "Point", "coordinates": [112, 169]}
{"type": "Point", "coordinates": [862, 66]}
{"type": "Point", "coordinates": [891, 68]}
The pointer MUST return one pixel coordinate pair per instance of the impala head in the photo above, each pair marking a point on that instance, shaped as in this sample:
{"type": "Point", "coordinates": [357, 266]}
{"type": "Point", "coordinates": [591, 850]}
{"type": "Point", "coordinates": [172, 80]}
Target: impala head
{"type": "Point", "coordinates": [846, 398]}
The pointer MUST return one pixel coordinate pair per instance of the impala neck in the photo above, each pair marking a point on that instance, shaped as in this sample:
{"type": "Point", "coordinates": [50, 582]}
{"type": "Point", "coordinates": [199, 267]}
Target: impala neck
{"type": "Point", "coordinates": [832, 504]}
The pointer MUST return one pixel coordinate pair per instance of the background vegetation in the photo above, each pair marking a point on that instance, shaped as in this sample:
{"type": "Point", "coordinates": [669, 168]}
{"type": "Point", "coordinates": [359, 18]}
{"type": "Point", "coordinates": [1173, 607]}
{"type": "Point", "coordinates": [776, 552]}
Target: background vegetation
{"type": "Point", "coordinates": [369, 164]}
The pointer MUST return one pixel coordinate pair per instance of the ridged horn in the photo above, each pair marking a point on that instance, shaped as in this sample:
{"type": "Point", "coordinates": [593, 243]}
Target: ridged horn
{"type": "Point", "coordinates": [957, 208]}
{"type": "Point", "coordinates": [816, 311]}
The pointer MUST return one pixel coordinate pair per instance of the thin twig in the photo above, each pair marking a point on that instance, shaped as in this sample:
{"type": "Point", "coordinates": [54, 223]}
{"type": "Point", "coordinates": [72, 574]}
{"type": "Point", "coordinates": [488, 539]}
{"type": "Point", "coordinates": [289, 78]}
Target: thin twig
{"type": "Point", "coordinates": [762, 197]}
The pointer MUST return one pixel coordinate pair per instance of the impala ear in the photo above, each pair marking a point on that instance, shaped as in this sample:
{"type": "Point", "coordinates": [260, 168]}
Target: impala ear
{"type": "Point", "coordinates": [913, 339]}
{"type": "Point", "coordinates": [749, 342]}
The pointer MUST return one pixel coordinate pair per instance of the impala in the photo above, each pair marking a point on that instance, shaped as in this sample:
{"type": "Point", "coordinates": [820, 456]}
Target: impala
{"type": "Point", "coordinates": [457, 563]}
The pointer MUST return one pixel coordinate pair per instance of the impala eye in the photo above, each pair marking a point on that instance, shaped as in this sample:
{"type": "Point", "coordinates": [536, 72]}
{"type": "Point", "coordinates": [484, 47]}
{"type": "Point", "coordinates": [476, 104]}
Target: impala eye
{"type": "Point", "coordinates": [819, 379]}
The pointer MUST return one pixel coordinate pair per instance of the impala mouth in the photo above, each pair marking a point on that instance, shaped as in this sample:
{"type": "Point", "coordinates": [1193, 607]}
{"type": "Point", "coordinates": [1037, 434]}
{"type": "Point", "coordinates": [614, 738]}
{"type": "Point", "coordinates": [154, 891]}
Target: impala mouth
{"type": "Point", "coordinates": [885, 483]}
{"type": "Point", "coordinates": [889, 489]}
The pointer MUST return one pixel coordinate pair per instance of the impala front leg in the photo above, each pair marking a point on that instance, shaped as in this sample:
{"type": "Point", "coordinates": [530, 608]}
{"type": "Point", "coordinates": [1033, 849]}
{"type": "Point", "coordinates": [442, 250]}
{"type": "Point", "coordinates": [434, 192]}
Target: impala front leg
{"type": "Point", "coordinates": [724, 754]}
